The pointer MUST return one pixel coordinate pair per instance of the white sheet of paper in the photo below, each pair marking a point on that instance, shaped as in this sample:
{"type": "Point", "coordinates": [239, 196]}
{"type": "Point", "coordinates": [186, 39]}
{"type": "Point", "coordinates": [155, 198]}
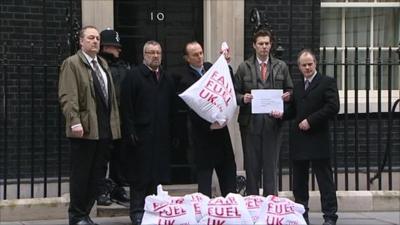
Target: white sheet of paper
{"type": "Point", "coordinates": [266, 100]}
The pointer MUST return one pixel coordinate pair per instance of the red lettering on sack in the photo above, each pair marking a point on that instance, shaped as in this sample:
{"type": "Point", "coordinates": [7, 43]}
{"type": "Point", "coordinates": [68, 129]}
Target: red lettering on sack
{"type": "Point", "coordinates": [197, 198]}
{"type": "Point", "coordinates": [166, 222]}
{"type": "Point", "coordinates": [280, 208]}
{"type": "Point", "coordinates": [171, 211]}
{"type": "Point", "coordinates": [197, 209]}
{"type": "Point", "coordinates": [204, 94]}
{"type": "Point", "coordinates": [215, 222]}
{"type": "Point", "coordinates": [224, 211]}
{"type": "Point", "coordinates": [274, 220]}
{"type": "Point", "coordinates": [216, 84]}
{"type": "Point", "coordinates": [223, 201]}
{"type": "Point", "coordinates": [253, 203]}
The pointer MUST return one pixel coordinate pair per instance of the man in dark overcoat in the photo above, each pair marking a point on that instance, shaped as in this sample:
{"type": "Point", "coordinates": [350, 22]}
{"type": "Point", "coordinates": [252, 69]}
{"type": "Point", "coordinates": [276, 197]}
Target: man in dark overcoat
{"type": "Point", "coordinates": [211, 142]}
{"type": "Point", "coordinates": [147, 105]}
{"type": "Point", "coordinates": [315, 101]}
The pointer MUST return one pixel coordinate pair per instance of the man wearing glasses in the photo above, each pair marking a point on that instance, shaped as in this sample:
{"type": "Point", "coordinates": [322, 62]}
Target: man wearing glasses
{"type": "Point", "coordinates": [147, 105]}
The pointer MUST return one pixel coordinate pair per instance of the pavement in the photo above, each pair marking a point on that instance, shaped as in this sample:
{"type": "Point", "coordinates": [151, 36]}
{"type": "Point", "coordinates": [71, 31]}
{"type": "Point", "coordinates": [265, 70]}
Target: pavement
{"type": "Point", "coordinates": [345, 218]}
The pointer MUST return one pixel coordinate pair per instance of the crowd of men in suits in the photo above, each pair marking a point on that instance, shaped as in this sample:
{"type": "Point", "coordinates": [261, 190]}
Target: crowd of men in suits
{"type": "Point", "coordinates": [123, 116]}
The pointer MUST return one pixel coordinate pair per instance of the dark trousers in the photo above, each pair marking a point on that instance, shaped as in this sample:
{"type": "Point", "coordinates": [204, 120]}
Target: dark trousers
{"type": "Point", "coordinates": [115, 168]}
{"type": "Point", "coordinates": [88, 159]}
{"type": "Point", "coordinates": [261, 142]}
{"type": "Point", "coordinates": [323, 172]}
{"type": "Point", "coordinates": [226, 173]}
{"type": "Point", "coordinates": [116, 172]}
{"type": "Point", "coordinates": [139, 191]}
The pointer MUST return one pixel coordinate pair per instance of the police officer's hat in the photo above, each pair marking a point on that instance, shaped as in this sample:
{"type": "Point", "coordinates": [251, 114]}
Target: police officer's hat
{"type": "Point", "coordinates": [110, 37]}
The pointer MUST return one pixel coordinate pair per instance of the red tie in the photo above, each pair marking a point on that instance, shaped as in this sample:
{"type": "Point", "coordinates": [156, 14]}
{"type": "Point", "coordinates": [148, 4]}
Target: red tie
{"type": "Point", "coordinates": [263, 71]}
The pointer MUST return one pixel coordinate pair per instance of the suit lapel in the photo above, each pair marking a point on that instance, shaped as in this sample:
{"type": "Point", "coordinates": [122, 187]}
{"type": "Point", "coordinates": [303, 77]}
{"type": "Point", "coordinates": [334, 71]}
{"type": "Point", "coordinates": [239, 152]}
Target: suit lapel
{"type": "Point", "coordinates": [254, 72]}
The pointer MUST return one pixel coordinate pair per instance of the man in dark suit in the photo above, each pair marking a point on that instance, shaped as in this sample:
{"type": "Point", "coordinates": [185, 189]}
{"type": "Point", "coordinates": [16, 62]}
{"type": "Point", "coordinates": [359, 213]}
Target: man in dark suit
{"type": "Point", "coordinates": [211, 142]}
{"type": "Point", "coordinates": [147, 106]}
{"type": "Point", "coordinates": [261, 133]}
{"type": "Point", "coordinates": [315, 101]}
{"type": "Point", "coordinates": [88, 101]}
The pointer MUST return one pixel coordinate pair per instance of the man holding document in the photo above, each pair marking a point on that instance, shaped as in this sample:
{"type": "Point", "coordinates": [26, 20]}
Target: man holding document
{"type": "Point", "coordinates": [263, 84]}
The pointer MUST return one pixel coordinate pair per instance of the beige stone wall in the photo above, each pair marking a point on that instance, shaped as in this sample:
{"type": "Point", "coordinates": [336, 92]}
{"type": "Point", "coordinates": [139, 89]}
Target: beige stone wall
{"type": "Point", "coordinates": [99, 13]}
{"type": "Point", "coordinates": [224, 21]}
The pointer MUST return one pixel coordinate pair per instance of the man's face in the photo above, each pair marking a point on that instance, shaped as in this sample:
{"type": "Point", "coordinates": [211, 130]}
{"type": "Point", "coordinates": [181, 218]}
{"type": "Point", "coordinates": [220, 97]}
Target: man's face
{"type": "Point", "coordinates": [194, 55]}
{"type": "Point", "coordinates": [307, 65]}
{"type": "Point", "coordinates": [262, 47]}
{"type": "Point", "coordinates": [111, 49]}
{"type": "Point", "coordinates": [152, 56]}
{"type": "Point", "coordinates": [90, 42]}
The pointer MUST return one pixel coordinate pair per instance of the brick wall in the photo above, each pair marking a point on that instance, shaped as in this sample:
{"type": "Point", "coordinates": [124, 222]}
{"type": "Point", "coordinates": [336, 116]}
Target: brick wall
{"type": "Point", "coordinates": [295, 24]}
{"type": "Point", "coordinates": [33, 41]}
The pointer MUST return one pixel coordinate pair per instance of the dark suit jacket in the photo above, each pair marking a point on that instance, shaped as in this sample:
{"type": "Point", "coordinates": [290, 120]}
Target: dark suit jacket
{"type": "Point", "coordinates": [210, 145]}
{"type": "Point", "coordinates": [318, 104]}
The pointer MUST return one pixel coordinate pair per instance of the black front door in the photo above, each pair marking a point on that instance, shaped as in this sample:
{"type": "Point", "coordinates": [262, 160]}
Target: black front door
{"type": "Point", "coordinates": [172, 23]}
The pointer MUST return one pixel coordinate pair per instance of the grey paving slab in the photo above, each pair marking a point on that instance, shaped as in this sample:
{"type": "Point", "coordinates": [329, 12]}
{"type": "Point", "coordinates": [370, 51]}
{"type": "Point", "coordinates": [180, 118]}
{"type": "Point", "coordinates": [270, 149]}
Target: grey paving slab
{"type": "Point", "coordinates": [361, 218]}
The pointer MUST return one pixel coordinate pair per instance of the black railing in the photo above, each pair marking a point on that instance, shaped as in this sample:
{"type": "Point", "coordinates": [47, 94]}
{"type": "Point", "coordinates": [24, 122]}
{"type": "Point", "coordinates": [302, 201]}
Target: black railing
{"type": "Point", "coordinates": [34, 152]}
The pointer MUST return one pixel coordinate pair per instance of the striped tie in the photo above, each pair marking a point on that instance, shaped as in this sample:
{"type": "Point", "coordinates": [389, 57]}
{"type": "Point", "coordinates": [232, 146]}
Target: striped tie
{"type": "Point", "coordinates": [101, 80]}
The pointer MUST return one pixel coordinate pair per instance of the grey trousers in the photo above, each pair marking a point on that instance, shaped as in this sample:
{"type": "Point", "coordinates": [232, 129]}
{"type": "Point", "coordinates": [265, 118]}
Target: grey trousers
{"type": "Point", "coordinates": [261, 146]}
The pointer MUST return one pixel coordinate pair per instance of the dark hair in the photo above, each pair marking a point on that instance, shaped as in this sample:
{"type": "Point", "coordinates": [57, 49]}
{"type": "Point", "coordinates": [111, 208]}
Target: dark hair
{"type": "Point", "coordinates": [262, 33]}
{"type": "Point", "coordinates": [82, 31]}
{"type": "Point", "coordinates": [306, 51]}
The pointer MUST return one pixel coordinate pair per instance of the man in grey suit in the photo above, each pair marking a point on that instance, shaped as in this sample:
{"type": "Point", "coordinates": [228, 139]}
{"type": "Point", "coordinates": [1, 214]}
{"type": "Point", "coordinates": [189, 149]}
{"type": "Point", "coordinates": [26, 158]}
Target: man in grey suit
{"type": "Point", "coordinates": [315, 100]}
{"type": "Point", "coordinates": [261, 133]}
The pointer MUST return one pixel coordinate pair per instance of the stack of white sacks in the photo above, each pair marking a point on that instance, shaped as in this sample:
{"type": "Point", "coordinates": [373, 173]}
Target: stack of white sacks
{"type": "Point", "coordinates": [162, 209]}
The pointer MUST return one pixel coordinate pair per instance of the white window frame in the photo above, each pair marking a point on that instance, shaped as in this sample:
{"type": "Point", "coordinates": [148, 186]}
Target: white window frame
{"type": "Point", "coordinates": [373, 94]}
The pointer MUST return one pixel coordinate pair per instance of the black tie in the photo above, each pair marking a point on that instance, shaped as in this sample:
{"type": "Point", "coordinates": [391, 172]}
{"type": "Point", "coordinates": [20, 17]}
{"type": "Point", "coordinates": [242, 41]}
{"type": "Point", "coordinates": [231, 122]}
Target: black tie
{"type": "Point", "coordinates": [158, 75]}
{"type": "Point", "coordinates": [101, 80]}
{"type": "Point", "coordinates": [202, 71]}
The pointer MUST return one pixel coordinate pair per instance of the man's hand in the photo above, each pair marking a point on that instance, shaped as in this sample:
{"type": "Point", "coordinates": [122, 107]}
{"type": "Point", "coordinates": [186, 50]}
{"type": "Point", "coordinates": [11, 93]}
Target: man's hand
{"type": "Point", "coordinates": [216, 126]}
{"type": "Point", "coordinates": [227, 55]}
{"type": "Point", "coordinates": [77, 131]}
{"type": "Point", "coordinates": [286, 96]}
{"type": "Point", "coordinates": [276, 114]}
{"type": "Point", "coordinates": [247, 98]}
{"type": "Point", "coordinates": [304, 125]}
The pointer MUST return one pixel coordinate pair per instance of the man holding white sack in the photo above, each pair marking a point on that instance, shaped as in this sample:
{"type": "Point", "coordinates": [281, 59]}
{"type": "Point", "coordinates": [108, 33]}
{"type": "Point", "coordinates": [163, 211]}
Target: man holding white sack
{"type": "Point", "coordinates": [261, 133]}
{"type": "Point", "coordinates": [211, 141]}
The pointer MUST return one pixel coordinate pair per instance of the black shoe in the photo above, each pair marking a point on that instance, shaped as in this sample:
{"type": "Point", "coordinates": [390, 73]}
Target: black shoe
{"type": "Point", "coordinates": [329, 222]}
{"type": "Point", "coordinates": [103, 199]}
{"type": "Point", "coordinates": [83, 221]}
{"type": "Point", "coordinates": [120, 196]}
{"type": "Point", "coordinates": [91, 221]}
